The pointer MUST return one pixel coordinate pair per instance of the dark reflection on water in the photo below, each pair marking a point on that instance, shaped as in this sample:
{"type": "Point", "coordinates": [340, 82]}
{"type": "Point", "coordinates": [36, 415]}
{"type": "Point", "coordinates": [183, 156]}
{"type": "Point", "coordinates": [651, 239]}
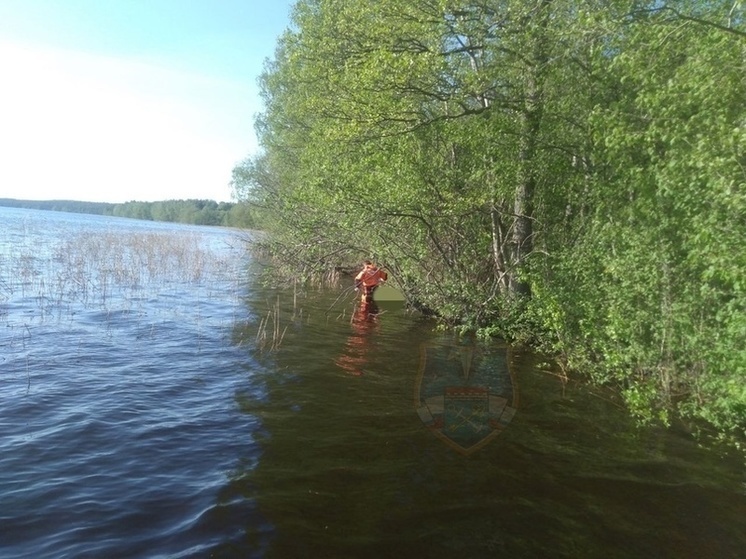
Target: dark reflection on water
{"type": "Point", "coordinates": [146, 418]}
{"type": "Point", "coordinates": [349, 468]}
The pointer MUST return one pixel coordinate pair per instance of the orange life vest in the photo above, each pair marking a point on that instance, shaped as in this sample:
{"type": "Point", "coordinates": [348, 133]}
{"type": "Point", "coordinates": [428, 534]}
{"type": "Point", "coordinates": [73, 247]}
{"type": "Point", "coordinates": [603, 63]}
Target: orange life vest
{"type": "Point", "coordinates": [370, 276]}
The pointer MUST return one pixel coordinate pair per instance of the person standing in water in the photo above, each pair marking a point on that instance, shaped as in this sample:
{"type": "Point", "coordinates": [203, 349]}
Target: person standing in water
{"type": "Point", "coordinates": [369, 278]}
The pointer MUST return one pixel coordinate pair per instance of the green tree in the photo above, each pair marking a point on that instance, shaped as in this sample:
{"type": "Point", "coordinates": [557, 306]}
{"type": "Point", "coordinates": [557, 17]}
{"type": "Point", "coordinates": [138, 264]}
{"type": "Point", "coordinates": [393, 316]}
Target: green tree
{"type": "Point", "coordinates": [567, 173]}
{"type": "Point", "coordinates": [415, 131]}
{"type": "Point", "coordinates": [652, 298]}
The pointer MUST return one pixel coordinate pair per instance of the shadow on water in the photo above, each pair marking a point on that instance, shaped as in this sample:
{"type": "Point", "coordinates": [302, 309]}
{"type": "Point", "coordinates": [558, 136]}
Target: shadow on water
{"type": "Point", "coordinates": [384, 438]}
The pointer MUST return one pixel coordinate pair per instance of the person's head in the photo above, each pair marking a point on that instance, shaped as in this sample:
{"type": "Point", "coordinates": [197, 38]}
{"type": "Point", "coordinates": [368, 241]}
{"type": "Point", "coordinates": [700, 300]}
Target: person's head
{"type": "Point", "coordinates": [367, 263]}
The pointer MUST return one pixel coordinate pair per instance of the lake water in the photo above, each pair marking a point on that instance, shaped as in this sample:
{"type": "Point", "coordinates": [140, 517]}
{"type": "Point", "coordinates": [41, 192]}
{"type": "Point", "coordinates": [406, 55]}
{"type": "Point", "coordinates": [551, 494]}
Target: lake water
{"type": "Point", "coordinates": [157, 400]}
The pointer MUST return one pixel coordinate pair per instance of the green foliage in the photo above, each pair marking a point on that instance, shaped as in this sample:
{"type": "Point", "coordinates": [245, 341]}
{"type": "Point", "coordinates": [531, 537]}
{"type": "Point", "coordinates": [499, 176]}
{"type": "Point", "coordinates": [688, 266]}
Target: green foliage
{"type": "Point", "coordinates": [197, 212]}
{"type": "Point", "coordinates": [559, 173]}
{"type": "Point", "coordinates": [658, 302]}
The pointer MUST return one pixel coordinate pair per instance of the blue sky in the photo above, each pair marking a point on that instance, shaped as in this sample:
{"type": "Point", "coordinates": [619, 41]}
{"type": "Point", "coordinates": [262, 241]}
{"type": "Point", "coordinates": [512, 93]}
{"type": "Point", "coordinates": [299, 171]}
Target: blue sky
{"type": "Point", "coordinates": [117, 100]}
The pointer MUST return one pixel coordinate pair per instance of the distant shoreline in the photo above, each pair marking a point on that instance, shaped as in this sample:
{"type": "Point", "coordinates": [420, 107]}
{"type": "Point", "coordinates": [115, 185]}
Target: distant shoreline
{"type": "Point", "coordinates": [191, 211]}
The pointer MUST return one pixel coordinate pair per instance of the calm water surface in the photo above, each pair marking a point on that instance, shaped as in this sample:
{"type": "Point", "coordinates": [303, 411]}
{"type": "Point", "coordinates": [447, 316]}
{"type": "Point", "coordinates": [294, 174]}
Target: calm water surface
{"type": "Point", "coordinates": [145, 413]}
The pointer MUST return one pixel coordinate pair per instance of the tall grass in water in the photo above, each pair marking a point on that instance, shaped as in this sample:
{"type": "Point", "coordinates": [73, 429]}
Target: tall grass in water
{"type": "Point", "coordinates": [104, 269]}
{"type": "Point", "coordinates": [47, 277]}
{"type": "Point", "coordinates": [269, 334]}
{"type": "Point", "coordinates": [272, 327]}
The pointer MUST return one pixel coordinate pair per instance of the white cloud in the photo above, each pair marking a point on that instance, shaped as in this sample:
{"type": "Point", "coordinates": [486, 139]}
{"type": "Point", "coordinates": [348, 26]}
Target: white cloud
{"type": "Point", "coordinates": [87, 127]}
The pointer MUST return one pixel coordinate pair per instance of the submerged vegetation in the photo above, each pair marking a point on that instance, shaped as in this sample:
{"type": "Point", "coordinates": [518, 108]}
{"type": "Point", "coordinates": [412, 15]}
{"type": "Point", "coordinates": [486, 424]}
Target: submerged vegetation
{"type": "Point", "coordinates": [569, 174]}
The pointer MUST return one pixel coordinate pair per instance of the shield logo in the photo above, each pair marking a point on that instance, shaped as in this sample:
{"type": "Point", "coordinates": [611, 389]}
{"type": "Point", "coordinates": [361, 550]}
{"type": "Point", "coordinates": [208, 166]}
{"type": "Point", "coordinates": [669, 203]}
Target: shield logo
{"type": "Point", "coordinates": [465, 394]}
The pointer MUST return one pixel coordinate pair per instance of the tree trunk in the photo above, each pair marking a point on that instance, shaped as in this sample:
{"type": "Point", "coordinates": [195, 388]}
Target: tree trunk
{"type": "Point", "coordinates": [530, 126]}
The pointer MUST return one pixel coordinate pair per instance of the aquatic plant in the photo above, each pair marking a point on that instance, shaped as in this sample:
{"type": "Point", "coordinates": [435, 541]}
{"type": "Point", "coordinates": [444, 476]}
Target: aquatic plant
{"type": "Point", "coordinates": [115, 268]}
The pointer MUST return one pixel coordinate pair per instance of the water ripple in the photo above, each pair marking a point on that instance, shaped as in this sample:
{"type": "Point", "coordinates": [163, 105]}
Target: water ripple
{"type": "Point", "coordinates": [119, 427]}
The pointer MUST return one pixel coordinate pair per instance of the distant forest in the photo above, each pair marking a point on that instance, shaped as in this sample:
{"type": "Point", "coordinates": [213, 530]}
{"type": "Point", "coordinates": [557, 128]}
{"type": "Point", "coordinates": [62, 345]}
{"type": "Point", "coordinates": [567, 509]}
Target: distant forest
{"type": "Point", "coordinates": [197, 212]}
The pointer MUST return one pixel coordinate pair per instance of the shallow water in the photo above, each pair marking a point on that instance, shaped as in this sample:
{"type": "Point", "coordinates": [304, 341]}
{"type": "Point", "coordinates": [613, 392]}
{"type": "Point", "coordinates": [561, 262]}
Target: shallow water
{"type": "Point", "coordinates": [117, 420]}
{"type": "Point", "coordinates": [144, 413]}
